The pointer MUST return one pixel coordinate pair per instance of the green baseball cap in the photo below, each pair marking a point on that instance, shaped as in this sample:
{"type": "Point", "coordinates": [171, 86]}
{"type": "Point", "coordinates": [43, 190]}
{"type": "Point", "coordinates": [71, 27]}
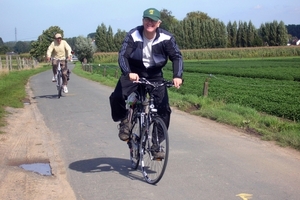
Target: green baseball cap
{"type": "Point", "coordinates": [152, 13]}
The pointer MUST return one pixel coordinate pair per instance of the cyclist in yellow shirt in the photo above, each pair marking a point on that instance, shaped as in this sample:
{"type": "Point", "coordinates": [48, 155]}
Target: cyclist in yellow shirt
{"type": "Point", "coordinates": [59, 49]}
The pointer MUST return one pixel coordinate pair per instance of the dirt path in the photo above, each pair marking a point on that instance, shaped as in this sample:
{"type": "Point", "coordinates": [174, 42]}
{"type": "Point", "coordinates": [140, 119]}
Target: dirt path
{"type": "Point", "coordinates": [26, 140]}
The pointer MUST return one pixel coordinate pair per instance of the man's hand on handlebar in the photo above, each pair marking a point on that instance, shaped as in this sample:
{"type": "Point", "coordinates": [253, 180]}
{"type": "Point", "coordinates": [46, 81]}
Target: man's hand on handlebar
{"type": "Point", "coordinates": [177, 82]}
{"type": "Point", "coordinates": [133, 76]}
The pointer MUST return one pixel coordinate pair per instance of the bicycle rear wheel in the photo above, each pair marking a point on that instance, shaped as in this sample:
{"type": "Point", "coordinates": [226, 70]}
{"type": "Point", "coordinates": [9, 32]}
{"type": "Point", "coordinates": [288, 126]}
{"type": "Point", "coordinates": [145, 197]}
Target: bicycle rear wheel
{"type": "Point", "coordinates": [135, 144]}
{"type": "Point", "coordinates": [59, 84]}
{"type": "Point", "coordinates": [154, 159]}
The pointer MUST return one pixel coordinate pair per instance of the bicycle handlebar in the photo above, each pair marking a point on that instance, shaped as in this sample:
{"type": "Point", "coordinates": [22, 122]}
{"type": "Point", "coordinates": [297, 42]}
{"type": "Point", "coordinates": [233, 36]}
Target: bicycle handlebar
{"type": "Point", "coordinates": [155, 84]}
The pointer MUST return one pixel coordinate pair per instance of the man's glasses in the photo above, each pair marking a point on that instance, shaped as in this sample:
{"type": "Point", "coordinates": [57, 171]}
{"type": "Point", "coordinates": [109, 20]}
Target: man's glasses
{"type": "Point", "coordinates": [146, 19]}
{"type": "Point", "coordinates": [58, 38]}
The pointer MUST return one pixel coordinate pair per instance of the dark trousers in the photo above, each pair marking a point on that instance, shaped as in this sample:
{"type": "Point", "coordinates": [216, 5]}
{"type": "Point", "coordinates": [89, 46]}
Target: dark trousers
{"type": "Point", "coordinates": [64, 69]}
{"type": "Point", "coordinates": [124, 88]}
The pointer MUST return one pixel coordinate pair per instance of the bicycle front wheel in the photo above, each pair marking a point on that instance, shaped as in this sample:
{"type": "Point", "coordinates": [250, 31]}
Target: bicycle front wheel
{"type": "Point", "coordinates": [59, 84]}
{"type": "Point", "coordinates": [154, 157]}
{"type": "Point", "coordinates": [135, 144]}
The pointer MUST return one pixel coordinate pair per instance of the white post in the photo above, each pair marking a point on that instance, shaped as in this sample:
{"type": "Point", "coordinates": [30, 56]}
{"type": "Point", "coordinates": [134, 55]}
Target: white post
{"type": "Point", "coordinates": [0, 64]}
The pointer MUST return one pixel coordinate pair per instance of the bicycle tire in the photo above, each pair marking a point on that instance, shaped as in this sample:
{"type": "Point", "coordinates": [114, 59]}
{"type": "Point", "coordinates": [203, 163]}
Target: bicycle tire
{"type": "Point", "coordinates": [152, 168]}
{"type": "Point", "coordinates": [59, 84]}
{"type": "Point", "coordinates": [135, 143]}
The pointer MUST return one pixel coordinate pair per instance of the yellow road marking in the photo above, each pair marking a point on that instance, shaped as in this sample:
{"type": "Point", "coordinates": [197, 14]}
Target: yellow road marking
{"type": "Point", "coordinates": [245, 196]}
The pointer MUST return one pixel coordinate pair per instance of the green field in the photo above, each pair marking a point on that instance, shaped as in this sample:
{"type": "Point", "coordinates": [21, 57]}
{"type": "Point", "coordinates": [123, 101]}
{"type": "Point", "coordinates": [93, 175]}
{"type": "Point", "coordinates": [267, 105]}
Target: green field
{"type": "Point", "coordinates": [269, 85]}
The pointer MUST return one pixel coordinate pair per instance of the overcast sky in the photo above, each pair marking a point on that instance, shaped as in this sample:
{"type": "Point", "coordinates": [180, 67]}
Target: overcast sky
{"type": "Point", "coordinates": [25, 20]}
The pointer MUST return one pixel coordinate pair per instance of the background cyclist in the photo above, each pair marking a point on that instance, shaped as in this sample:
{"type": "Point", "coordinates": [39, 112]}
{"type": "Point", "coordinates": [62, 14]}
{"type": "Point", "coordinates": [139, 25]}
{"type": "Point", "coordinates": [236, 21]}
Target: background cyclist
{"type": "Point", "coordinates": [60, 49]}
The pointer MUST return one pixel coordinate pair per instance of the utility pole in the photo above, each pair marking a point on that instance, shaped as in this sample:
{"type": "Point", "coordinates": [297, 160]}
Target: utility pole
{"type": "Point", "coordinates": [16, 34]}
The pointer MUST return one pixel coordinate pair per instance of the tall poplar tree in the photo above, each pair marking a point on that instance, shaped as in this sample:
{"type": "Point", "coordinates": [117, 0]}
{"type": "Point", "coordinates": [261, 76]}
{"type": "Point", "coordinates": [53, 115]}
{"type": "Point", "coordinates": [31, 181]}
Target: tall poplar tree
{"type": "Point", "coordinates": [239, 34]}
{"type": "Point", "coordinates": [282, 34]}
{"type": "Point", "coordinates": [100, 38]}
{"type": "Point", "coordinates": [118, 39]}
{"type": "Point", "coordinates": [251, 33]}
{"type": "Point", "coordinates": [110, 40]}
{"type": "Point", "coordinates": [273, 33]}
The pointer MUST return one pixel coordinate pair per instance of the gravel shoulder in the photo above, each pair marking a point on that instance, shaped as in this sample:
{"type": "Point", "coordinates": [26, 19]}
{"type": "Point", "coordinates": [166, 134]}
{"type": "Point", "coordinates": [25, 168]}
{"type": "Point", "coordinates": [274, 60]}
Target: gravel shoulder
{"type": "Point", "coordinates": [27, 140]}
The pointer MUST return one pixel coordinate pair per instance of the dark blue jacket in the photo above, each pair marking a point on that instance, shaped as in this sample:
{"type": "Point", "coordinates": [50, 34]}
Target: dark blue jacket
{"type": "Point", "coordinates": [164, 47]}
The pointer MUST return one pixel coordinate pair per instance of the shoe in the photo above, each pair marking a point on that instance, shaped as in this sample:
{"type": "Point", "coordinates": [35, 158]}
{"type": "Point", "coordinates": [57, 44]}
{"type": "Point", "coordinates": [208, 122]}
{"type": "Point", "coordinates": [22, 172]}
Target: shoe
{"type": "Point", "coordinates": [54, 79]}
{"type": "Point", "coordinates": [65, 89]}
{"type": "Point", "coordinates": [124, 130]}
{"type": "Point", "coordinates": [156, 153]}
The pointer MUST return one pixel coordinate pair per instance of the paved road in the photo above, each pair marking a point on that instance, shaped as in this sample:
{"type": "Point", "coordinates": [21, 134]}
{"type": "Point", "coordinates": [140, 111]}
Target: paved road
{"type": "Point", "coordinates": [207, 160]}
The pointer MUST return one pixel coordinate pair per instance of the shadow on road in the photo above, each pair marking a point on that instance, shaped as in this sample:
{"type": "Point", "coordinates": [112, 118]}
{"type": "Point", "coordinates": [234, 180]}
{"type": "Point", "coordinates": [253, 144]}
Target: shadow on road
{"type": "Point", "coordinates": [53, 96]}
{"type": "Point", "coordinates": [108, 164]}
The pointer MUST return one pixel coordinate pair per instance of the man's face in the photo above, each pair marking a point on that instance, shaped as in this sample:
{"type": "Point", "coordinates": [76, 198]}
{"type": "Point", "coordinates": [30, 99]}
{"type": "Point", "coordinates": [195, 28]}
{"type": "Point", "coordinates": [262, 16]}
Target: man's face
{"type": "Point", "coordinates": [58, 39]}
{"type": "Point", "coordinates": [150, 25]}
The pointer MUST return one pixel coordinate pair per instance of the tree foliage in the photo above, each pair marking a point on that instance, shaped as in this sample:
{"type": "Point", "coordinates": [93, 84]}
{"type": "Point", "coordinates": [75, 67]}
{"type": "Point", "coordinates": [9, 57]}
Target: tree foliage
{"type": "Point", "coordinates": [197, 15]}
{"type": "Point", "coordinates": [71, 42]}
{"type": "Point", "coordinates": [274, 33]}
{"type": "Point", "coordinates": [118, 39]}
{"type": "Point", "coordinates": [22, 47]}
{"type": "Point", "coordinates": [84, 48]}
{"type": "Point", "coordinates": [1, 42]}
{"type": "Point", "coordinates": [294, 30]}
{"type": "Point", "coordinates": [100, 38]}
{"type": "Point", "coordinates": [168, 20]}
{"type": "Point", "coordinates": [3, 48]}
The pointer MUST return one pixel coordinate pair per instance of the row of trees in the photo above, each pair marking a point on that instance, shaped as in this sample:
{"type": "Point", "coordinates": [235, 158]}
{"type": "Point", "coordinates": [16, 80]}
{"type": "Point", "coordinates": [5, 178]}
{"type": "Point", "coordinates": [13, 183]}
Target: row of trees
{"type": "Point", "coordinates": [197, 30]}
{"type": "Point", "coordinates": [294, 30]}
{"type": "Point", "coordinates": [20, 47]}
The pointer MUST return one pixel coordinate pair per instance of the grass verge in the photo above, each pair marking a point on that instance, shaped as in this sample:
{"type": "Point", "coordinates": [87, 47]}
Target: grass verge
{"type": "Point", "coordinates": [12, 89]}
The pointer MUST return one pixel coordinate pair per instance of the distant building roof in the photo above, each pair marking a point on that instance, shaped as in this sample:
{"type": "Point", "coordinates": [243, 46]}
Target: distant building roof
{"type": "Point", "coordinates": [11, 53]}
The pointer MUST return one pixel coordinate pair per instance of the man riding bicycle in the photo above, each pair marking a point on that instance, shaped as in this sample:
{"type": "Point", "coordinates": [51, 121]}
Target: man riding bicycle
{"type": "Point", "coordinates": [144, 52]}
{"type": "Point", "coordinates": [59, 49]}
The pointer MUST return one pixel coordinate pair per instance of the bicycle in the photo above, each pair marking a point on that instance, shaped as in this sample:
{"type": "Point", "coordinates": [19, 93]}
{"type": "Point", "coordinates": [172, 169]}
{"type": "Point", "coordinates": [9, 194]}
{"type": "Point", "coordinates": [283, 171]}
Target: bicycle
{"type": "Point", "coordinates": [59, 80]}
{"type": "Point", "coordinates": [149, 134]}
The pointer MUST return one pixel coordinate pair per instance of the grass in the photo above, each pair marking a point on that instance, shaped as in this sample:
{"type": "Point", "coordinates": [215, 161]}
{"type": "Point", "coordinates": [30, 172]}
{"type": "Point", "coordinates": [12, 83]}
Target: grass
{"type": "Point", "coordinates": [12, 89]}
{"type": "Point", "coordinates": [267, 127]}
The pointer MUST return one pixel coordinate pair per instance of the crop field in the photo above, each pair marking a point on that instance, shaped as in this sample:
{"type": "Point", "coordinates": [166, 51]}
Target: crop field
{"type": "Point", "coordinates": [269, 85]}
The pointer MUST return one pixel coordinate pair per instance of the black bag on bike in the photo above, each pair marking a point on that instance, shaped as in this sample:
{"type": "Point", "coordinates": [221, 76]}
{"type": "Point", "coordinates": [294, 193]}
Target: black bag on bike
{"type": "Point", "coordinates": [68, 75]}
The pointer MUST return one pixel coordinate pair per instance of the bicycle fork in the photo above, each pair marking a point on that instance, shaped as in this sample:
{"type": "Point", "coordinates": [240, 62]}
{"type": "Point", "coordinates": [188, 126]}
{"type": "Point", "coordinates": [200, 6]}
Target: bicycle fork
{"type": "Point", "coordinates": [58, 75]}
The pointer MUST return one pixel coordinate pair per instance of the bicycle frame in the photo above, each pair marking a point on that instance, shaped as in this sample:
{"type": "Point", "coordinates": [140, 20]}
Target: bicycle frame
{"type": "Point", "coordinates": [148, 111]}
